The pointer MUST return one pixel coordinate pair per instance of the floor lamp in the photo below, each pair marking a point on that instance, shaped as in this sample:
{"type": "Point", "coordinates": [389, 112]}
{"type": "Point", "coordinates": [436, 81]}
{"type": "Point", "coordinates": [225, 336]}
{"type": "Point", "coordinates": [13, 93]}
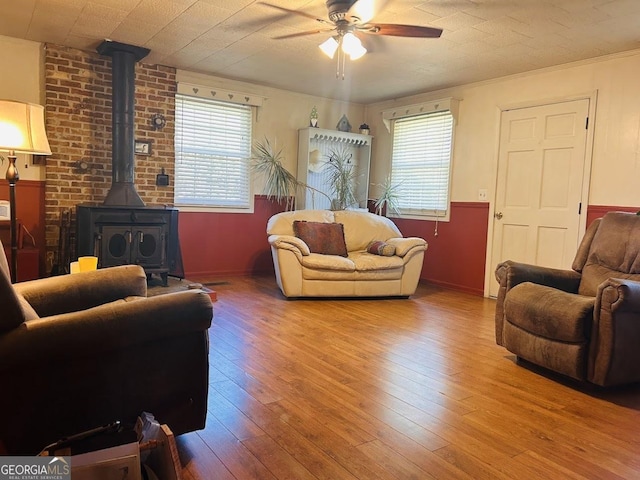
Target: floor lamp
{"type": "Point", "coordinates": [21, 131]}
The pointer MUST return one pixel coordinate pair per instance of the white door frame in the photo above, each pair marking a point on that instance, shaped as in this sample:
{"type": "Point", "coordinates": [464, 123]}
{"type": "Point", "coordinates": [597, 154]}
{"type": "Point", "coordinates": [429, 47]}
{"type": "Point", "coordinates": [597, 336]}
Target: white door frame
{"type": "Point", "coordinates": [586, 176]}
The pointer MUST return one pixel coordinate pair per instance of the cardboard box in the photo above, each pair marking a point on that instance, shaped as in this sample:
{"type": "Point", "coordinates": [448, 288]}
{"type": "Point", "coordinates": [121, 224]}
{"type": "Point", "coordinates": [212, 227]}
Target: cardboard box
{"type": "Point", "coordinates": [163, 458]}
{"type": "Point", "coordinates": [115, 463]}
{"type": "Point", "coordinates": [122, 461]}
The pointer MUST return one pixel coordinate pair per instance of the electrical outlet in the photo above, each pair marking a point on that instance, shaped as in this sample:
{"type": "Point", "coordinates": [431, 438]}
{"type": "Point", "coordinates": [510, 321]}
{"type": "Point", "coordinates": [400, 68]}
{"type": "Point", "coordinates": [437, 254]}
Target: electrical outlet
{"type": "Point", "coordinates": [483, 195]}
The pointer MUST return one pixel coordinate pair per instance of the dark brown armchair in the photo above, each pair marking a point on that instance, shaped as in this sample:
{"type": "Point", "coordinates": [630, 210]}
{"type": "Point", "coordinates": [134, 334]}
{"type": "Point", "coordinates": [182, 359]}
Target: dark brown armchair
{"type": "Point", "coordinates": [584, 322]}
{"type": "Point", "coordinates": [83, 350]}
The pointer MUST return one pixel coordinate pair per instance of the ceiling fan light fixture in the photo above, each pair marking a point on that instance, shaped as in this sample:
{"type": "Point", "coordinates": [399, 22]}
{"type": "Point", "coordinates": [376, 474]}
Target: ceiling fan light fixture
{"type": "Point", "coordinates": [352, 46]}
{"type": "Point", "coordinates": [350, 41]}
{"type": "Point", "coordinates": [329, 47]}
{"type": "Point", "coordinates": [357, 52]}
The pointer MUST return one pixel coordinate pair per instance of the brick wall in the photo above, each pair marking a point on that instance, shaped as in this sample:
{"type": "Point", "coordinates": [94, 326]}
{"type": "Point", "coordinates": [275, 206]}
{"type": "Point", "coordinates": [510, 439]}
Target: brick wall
{"type": "Point", "coordinates": [78, 117]}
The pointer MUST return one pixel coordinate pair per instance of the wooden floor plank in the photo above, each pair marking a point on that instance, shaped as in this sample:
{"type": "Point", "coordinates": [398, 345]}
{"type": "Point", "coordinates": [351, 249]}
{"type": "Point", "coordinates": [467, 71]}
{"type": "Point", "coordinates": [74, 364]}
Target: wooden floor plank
{"type": "Point", "coordinates": [393, 462]}
{"type": "Point", "coordinates": [277, 459]}
{"type": "Point", "coordinates": [472, 464]}
{"type": "Point", "coordinates": [328, 441]}
{"type": "Point", "coordinates": [198, 460]}
{"type": "Point", "coordinates": [393, 389]}
{"type": "Point", "coordinates": [231, 417]}
{"type": "Point", "coordinates": [294, 442]}
{"type": "Point", "coordinates": [232, 453]}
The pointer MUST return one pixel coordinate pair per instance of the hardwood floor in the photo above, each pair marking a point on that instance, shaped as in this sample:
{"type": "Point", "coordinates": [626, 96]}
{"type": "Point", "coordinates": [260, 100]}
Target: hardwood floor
{"type": "Point", "coordinates": [393, 389]}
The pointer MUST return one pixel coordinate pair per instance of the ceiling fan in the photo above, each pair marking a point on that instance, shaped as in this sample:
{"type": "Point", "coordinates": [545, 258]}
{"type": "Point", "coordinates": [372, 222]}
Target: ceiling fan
{"type": "Point", "coordinates": [350, 18]}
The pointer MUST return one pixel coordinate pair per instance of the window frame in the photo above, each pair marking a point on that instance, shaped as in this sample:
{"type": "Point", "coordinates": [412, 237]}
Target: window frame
{"type": "Point", "coordinates": [195, 207]}
{"type": "Point", "coordinates": [427, 214]}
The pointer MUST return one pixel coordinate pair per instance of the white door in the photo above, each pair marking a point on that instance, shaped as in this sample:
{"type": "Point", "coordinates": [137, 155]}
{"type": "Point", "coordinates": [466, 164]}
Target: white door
{"type": "Point", "coordinates": [540, 176]}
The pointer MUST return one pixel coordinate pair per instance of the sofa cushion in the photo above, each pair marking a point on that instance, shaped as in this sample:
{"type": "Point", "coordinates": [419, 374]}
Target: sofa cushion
{"type": "Point", "coordinates": [378, 247]}
{"type": "Point", "coordinates": [361, 228]}
{"type": "Point", "coordinates": [340, 278]}
{"type": "Point", "coordinates": [282, 223]}
{"type": "Point", "coordinates": [328, 262]}
{"type": "Point", "coordinates": [366, 262]}
{"type": "Point", "coordinates": [323, 238]}
{"type": "Point", "coordinates": [550, 313]}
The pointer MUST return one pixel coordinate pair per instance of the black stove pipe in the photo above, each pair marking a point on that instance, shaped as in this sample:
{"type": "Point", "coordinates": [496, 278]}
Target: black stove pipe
{"type": "Point", "coordinates": [123, 62]}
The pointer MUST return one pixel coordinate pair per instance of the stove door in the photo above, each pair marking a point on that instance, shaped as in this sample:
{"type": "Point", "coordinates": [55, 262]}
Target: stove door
{"type": "Point", "coordinates": [115, 246]}
{"type": "Point", "coordinates": [149, 246]}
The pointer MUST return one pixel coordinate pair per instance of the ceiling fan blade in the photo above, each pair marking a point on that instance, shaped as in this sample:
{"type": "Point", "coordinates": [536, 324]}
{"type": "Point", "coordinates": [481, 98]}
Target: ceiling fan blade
{"type": "Point", "coordinates": [302, 34]}
{"type": "Point", "coordinates": [396, 30]}
{"type": "Point", "coordinates": [363, 11]}
{"type": "Point", "coordinates": [296, 12]}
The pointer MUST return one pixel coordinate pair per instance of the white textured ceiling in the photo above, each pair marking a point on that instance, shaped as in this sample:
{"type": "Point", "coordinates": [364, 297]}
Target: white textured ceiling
{"type": "Point", "coordinates": [482, 39]}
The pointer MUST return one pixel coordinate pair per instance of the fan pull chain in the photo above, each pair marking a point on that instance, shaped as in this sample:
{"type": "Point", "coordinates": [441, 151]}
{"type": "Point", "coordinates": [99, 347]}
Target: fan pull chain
{"type": "Point", "coordinates": [342, 60]}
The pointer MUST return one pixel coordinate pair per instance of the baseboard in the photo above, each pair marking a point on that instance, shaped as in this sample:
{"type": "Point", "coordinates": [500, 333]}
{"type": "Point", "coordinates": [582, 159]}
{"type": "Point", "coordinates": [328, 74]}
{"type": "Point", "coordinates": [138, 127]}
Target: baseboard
{"type": "Point", "coordinates": [453, 286]}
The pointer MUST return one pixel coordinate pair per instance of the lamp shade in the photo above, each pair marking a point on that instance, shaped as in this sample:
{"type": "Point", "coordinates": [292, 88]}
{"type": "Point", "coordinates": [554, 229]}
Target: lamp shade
{"type": "Point", "coordinates": [352, 46]}
{"type": "Point", "coordinates": [22, 128]}
{"type": "Point", "coordinates": [329, 47]}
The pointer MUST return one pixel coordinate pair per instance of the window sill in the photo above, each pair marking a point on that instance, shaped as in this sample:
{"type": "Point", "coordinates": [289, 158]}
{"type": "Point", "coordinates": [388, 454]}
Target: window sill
{"type": "Point", "coordinates": [413, 216]}
{"type": "Point", "coordinates": [206, 209]}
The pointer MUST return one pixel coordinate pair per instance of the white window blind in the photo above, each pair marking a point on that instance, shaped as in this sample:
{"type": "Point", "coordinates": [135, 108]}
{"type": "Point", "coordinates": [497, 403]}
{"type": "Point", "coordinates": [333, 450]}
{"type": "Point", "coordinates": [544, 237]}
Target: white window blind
{"type": "Point", "coordinates": [421, 162]}
{"type": "Point", "coordinates": [213, 151]}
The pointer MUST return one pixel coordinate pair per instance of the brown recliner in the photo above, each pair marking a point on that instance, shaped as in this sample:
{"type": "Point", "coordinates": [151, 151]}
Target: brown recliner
{"type": "Point", "coordinates": [83, 350]}
{"type": "Point", "coordinates": [584, 322]}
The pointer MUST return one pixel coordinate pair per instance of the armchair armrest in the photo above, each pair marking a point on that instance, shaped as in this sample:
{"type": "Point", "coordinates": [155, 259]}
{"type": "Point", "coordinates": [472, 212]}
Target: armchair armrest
{"type": "Point", "coordinates": [113, 326]}
{"type": "Point", "coordinates": [289, 242]}
{"type": "Point", "coordinates": [619, 295]}
{"type": "Point", "coordinates": [407, 244]}
{"type": "Point", "coordinates": [510, 273]}
{"type": "Point", "coordinates": [80, 291]}
{"type": "Point", "coordinates": [614, 354]}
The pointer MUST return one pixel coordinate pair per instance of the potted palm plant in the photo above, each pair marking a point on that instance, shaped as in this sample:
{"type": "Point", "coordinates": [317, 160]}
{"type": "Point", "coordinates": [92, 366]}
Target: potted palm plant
{"type": "Point", "coordinates": [342, 179]}
{"type": "Point", "coordinates": [389, 198]}
{"type": "Point", "coordinates": [280, 184]}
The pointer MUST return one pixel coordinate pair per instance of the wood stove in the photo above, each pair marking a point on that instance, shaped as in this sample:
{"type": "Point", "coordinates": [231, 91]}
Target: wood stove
{"type": "Point", "coordinates": [123, 230]}
{"type": "Point", "coordinates": [145, 236]}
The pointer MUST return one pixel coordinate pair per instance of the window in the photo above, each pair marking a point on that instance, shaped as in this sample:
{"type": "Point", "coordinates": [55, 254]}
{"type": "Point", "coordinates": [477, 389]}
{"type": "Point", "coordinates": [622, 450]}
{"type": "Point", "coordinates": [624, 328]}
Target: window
{"type": "Point", "coordinates": [213, 150]}
{"type": "Point", "coordinates": [421, 163]}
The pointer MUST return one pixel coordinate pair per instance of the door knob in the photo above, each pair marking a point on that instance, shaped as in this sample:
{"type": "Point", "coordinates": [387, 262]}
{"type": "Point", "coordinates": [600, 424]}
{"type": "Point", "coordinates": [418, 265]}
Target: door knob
{"type": "Point", "coordinates": [498, 215]}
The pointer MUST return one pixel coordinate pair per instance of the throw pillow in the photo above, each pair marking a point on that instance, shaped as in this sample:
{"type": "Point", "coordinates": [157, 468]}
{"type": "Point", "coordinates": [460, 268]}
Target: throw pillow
{"type": "Point", "coordinates": [321, 237]}
{"type": "Point", "coordinates": [378, 247]}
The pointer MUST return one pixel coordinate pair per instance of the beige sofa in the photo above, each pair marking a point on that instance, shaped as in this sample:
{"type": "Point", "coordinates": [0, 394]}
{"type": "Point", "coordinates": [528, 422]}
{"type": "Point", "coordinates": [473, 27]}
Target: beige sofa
{"type": "Point", "coordinates": [302, 273]}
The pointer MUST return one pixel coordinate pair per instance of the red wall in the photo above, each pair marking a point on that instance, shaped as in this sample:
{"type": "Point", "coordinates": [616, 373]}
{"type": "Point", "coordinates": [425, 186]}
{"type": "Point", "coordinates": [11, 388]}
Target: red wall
{"type": "Point", "coordinates": [30, 212]}
{"type": "Point", "coordinates": [597, 211]}
{"type": "Point", "coordinates": [223, 244]}
{"type": "Point", "coordinates": [456, 257]}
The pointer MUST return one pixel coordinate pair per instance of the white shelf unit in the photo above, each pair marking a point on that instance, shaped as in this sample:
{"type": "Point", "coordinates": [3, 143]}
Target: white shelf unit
{"type": "Point", "coordinates": [315, 146]}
